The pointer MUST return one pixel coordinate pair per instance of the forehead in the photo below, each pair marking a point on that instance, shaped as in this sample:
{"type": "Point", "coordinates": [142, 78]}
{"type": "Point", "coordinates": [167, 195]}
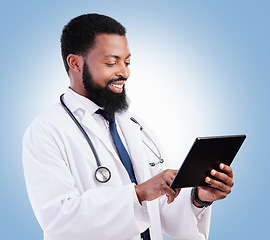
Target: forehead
{"type": "Point", "coordinates": [110, 44]}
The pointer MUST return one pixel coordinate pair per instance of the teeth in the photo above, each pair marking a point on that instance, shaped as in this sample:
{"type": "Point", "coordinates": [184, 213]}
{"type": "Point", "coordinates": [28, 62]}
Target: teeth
{"type": "Point", "coordinates": [117, 85]}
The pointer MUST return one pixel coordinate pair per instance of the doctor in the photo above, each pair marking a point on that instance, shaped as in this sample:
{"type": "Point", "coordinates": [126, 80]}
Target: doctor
{"type": "Point", "coordinates": [136, 201]}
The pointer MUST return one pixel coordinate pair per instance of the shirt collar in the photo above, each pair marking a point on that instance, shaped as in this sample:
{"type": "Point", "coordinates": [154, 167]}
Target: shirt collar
{"type": "Point", "coordinates": [86, 104]}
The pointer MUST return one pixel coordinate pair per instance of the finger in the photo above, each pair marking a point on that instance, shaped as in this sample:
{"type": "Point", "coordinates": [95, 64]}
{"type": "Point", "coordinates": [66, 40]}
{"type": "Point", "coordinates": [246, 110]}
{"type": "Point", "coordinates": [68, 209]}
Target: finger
{"type": "Point", "coordinates": [226, 169]}
{"type": "Point", "coordinates": [172, 173]}
{"type": "Point", "coordinates": [168, 176]}
{"type": "Point", "coordinates": [210, 194]}
{"type": "Point", "coordinates": [171, 195]}
{"type": "Point", "coordinates": [222, 187]}
{"type": "Point", "coordinates": [223, 177]}
{"type": "Point", "coordinates": [177, 191]}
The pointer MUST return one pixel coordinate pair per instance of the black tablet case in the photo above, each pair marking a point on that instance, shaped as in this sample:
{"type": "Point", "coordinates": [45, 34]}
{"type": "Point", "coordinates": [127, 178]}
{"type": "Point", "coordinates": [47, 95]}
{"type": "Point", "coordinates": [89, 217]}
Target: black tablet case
{"type": "Point", "coordinates": [206, 154]}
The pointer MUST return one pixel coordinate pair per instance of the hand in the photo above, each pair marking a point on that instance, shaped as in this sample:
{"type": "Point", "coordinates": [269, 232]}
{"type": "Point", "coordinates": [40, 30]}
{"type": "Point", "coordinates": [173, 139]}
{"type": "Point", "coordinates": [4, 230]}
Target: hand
{"type": "Point", "coordinates": [217, 189]}
{"type": "Point", "coordinates": [158, 186]}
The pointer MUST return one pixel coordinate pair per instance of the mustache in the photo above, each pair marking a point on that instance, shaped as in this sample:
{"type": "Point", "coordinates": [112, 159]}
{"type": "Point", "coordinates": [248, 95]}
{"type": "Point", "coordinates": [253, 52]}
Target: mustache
{"type": "Point", "coordinates": [117, 80]}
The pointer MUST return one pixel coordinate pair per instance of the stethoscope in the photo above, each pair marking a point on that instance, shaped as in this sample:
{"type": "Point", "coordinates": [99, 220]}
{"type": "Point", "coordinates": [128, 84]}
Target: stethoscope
{"type": "Point", "coordinates": [103, 174]}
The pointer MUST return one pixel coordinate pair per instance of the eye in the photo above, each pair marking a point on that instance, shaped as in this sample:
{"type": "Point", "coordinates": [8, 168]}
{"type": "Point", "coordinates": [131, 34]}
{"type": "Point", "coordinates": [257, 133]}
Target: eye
{"type": "Point", "coordinates": [110, 64]}
{"type": "Point", "coordinates": [127, 63]}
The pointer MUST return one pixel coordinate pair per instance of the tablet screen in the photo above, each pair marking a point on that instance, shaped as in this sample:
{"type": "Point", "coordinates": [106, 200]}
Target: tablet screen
{"type": "Point", "coordinates": [206, 154]}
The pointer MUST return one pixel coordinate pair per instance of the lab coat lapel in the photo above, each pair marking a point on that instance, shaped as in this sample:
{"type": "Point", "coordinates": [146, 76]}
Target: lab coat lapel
{"type": "Point", "coordinates": [132, 134]}
{"type": "Point", "coordinates": [88, 122]}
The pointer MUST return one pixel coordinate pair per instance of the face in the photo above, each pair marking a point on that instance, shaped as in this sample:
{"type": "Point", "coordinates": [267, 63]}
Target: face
{"type": "Point", "coordinates": [105, 71]}
{"type": "Point", "coordinates": [103, 96]}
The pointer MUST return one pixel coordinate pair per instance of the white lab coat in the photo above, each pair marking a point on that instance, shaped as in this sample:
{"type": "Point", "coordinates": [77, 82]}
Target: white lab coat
{"type": "Point", "coordinates": [70, 204]}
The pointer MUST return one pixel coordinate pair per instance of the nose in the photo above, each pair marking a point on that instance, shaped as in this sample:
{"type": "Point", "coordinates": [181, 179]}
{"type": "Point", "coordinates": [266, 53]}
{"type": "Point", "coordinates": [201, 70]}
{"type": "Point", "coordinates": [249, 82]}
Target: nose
{"type": "Point", "coordinates": [123, 71]}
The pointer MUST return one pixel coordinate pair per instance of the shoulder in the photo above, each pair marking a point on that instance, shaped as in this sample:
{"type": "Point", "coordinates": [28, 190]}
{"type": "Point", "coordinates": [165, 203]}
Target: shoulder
{"type": "Point", "coordinates": [53, 114]}
{"type": "Point", "coordinates": [51, 119]}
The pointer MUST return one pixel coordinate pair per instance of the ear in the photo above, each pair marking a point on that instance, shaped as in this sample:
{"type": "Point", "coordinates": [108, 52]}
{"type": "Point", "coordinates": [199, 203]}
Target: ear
{"type": "Point", "coordinates": [75, 62]}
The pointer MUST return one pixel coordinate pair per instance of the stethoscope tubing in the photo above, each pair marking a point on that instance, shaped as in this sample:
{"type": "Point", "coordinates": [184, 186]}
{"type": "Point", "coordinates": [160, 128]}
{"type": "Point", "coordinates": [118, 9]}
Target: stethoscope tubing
{"type": "Point", "coordinates": [152, 164]}
{"type": "Point", "coordinates": [82, 130]}
{"type": "Point", "coordinates": [103, 174]}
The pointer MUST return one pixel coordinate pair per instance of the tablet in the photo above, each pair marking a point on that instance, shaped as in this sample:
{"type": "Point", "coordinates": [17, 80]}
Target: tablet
{"type": "Point", "coordinates": [206, 154]}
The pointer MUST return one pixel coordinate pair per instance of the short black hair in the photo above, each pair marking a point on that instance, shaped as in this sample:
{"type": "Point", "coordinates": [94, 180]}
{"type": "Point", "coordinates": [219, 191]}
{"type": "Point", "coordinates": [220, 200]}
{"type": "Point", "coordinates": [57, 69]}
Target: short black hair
{"type": "Point", "coordinates": [79, 35]}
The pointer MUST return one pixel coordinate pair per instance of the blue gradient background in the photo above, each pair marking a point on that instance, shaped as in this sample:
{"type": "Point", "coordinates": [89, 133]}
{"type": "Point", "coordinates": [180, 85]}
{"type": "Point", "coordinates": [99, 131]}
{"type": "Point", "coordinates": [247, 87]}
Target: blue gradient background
{"type": "Point", "coordinates": [198, 68]}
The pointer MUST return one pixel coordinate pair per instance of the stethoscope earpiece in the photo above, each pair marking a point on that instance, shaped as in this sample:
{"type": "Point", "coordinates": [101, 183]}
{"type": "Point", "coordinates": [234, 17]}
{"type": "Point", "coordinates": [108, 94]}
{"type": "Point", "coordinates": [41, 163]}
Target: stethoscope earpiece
{"type": "Point", "coordinates": [152, 164]}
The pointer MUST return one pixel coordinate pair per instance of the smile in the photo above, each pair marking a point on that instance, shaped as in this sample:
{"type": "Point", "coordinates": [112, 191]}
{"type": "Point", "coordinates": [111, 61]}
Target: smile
{"type": "Point", "coordinates": [117, 87]}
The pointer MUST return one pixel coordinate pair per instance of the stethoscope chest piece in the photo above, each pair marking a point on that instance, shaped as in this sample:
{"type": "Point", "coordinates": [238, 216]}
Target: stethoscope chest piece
{"type": "Point", "coordinates": [102, 174]}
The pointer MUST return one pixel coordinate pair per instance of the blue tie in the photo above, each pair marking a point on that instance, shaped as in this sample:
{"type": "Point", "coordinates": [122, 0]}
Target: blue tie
{"type": "Point", "coordinates": [119, 145]}
{"type": "Point", "coordinates": [123, 155]}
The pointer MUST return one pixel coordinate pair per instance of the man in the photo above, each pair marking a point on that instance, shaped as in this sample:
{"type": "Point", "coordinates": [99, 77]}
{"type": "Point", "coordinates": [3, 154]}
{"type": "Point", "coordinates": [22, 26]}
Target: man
{"type": "Point", "coordinates": [135, 199]}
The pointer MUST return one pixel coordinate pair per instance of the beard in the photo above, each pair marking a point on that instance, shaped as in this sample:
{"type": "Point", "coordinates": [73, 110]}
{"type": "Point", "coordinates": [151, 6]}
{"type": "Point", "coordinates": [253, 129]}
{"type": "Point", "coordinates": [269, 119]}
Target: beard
{"type": "Point", "coordinates": [111, 102]}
